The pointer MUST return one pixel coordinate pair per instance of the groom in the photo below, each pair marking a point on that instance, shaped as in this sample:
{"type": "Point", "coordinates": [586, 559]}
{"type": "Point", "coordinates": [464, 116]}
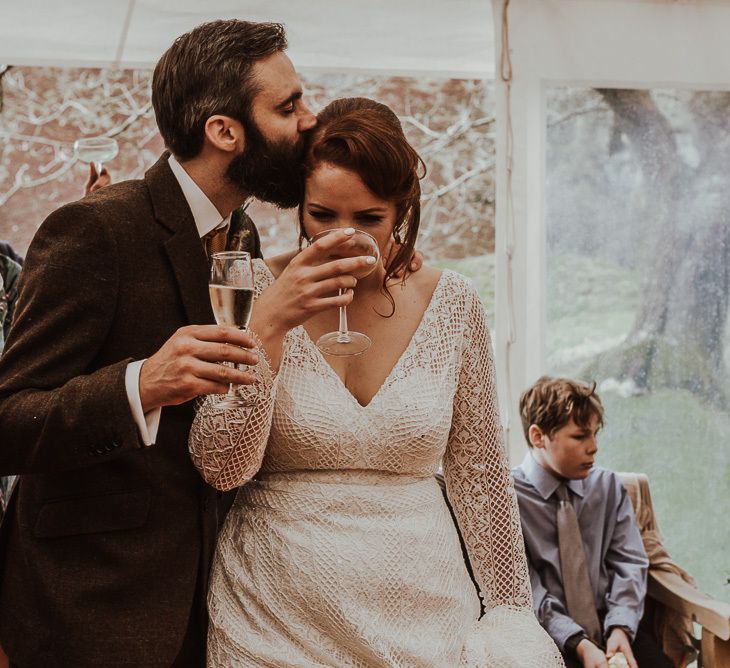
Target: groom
{"type": "Point", "coordinates": [107, 541]}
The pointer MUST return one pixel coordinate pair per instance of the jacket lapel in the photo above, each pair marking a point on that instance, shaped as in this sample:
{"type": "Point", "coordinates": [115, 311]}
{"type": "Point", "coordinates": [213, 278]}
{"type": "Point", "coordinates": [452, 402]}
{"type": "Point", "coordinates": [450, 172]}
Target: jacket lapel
{"type": "Point", "coordinates": [184, 248]}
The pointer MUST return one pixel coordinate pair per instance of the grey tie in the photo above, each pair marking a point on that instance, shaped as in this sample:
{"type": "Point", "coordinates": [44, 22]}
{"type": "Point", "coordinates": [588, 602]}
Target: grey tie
{"type": "Point", "coordinates": [576, 583]}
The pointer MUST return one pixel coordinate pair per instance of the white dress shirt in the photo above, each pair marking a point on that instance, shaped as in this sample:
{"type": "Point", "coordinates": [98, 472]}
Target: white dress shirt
{"type": "Point", "coordinates": [207, 218]}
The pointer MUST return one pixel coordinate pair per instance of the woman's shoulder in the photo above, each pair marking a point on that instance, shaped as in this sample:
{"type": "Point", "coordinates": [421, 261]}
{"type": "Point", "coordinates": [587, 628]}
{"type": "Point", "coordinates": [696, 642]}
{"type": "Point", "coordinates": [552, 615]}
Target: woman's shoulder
{"type": "Point", "coordinates": [446, 284]}
{"type": "Point", "coordinates": [278, 263]}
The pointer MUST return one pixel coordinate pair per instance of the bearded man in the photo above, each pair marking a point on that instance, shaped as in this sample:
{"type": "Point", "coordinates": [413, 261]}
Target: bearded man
{"type": "Point", "coordinates": [107, 541]}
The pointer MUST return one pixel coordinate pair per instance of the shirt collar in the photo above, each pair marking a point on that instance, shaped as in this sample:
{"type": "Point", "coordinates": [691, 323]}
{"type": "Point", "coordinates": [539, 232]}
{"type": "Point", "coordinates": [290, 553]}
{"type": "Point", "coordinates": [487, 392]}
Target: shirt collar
{"type": "Point", "coordinates": [544, 481]}
{"type": "Point", "coordinates": [206, 216]}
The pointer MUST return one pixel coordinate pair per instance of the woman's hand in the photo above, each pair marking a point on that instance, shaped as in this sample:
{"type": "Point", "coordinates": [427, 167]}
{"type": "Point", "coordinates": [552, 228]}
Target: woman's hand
{"type": "Point", "coordinates": [309, 284]}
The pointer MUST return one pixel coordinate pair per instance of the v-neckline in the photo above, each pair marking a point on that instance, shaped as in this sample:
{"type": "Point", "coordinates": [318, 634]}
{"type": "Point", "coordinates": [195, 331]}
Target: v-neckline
{"type": "Point", "coordinates": [318, 353]}
{"type": "Point", "coordinates": [401, 357]}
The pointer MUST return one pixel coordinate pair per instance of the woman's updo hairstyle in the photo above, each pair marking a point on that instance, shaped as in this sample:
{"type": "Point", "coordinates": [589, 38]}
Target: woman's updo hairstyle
{"type": "Point", "coordinates": [366, 137]}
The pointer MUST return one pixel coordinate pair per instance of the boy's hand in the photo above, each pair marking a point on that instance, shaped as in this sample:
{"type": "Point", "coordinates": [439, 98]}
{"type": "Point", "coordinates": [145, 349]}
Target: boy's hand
{"type": "Point", "coordinates": [619, 641]}
{"type": "Point", "coordinates": [590, 655]}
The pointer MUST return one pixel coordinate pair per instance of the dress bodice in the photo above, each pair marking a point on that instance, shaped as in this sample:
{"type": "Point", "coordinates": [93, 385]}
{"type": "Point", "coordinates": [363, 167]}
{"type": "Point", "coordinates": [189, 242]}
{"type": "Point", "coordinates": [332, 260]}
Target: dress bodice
{"type": "Point", "coordinates": [438, 404]}
{"type": "Point", "coordinates": [318, 424]}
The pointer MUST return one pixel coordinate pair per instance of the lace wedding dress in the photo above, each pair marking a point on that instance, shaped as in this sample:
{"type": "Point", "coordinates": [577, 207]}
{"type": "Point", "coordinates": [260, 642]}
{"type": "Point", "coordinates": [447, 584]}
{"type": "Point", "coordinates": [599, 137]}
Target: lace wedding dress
{"type": "Point", "coordinates": [341, 551]}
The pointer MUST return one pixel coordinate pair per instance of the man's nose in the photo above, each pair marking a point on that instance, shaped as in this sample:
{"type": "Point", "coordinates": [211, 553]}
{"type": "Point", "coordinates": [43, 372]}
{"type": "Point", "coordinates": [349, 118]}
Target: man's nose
{"type": "Point", "coordinates": [307, 120]}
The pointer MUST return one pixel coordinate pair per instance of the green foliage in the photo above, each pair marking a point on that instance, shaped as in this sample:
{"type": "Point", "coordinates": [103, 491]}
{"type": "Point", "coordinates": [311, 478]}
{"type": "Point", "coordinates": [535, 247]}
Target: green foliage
{"type": "Point", "coordinates": [676, 438]}
{"type": "Point", "coordinates": [680, 443]}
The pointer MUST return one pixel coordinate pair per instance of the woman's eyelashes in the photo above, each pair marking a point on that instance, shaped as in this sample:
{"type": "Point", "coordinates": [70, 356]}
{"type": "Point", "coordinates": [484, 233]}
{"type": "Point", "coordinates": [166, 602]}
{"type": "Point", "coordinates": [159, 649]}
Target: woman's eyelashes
{"type": "Point", "coordinates": [318, 214]}
{"type": "Point", "coordinates": [362, 218]}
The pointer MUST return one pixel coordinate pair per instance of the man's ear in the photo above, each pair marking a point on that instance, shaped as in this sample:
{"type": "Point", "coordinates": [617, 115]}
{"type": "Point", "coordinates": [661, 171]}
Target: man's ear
{"type": "Point", "coordinates": [224, 133]}
{"type": "Point", "coordinates": [536, 435]}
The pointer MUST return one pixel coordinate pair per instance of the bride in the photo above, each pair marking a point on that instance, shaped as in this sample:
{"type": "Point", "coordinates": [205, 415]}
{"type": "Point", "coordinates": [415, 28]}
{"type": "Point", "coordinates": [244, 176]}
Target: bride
{"type": "Point", "coordinates": [341, 551]}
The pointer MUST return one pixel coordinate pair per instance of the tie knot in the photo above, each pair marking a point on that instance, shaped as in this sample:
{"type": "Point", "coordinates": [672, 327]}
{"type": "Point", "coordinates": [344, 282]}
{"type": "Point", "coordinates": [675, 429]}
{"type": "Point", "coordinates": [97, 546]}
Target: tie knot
{"type": "Point", "coordinates": [562, 493]}
{"type": "Point", "coordinates": [216, 240]}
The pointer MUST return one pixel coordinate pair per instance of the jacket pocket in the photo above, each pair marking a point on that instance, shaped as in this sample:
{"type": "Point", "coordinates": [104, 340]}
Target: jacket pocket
{"type": "Point", "coordinates": [114, 511]}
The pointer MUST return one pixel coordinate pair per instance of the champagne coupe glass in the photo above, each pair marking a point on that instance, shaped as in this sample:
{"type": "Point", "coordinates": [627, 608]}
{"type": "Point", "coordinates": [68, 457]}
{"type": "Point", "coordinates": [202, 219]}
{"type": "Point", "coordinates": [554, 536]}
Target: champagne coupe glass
{"type": "Point", "coordinates": [345, 342]}
{"type": "Point", "coordinates": [231, 296]}
{"type": "Point", "coordinates": [97, 150]}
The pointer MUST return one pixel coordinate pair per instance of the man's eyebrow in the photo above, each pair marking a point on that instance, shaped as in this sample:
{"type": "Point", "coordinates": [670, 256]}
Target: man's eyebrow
{"type": "Point", "coordinates": [292, 98]}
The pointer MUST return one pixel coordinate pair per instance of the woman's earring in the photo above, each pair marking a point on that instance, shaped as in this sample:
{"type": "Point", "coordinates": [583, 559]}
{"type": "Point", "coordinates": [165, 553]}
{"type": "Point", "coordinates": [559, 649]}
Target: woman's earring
{"type": "Point", "coordinates": [396, 236]}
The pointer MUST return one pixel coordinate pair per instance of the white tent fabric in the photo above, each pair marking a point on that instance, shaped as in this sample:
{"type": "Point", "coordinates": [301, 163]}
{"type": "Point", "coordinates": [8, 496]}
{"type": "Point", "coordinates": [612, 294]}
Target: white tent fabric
{"type": "Point", "coordinates": [453, 38]}
{"type": "Point", "coordinates": [585, 43]}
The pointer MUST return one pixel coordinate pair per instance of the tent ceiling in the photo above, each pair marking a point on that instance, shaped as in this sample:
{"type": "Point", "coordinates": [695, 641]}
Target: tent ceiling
{"type": "Point", "coordinates": [448, 38]}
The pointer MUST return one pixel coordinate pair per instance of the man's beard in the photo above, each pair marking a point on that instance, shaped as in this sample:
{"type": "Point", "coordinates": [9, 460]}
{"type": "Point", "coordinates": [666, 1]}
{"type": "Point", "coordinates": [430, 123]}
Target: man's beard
{"type": "Point", "coordinates": [269, 171]}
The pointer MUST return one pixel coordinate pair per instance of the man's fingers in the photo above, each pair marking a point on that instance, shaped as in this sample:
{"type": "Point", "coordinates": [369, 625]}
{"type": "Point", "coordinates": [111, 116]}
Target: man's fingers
{"type": "Point", "coordinates": [223, 374]}
{"type": "Point", "coordinates": [224, 352]}
{"type": "Point", "coordinates": [220, 334]}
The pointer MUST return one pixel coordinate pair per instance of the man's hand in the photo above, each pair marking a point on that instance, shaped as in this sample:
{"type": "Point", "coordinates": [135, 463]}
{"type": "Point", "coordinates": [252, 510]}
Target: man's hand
{"type": "Point", "coordinates": [619, 641]}
{"type": "Point", "coordinates": [590, 655]}
{"type": "Point", "coordinates": [96, 180]}
{"type": "Point", "coordinates": [188, 365]}
{"type": "Point", "coordinates": [414, 264]}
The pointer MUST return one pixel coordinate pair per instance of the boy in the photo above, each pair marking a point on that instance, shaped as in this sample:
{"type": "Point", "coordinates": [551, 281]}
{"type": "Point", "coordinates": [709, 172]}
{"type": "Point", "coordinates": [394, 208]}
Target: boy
{"type": "Point", "coordinates": [591, 600]}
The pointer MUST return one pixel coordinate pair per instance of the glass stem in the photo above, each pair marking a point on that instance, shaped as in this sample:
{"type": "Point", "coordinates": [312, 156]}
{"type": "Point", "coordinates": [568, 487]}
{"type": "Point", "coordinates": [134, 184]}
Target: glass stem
{"type": "Point", "coordinates": [98, 166]}
{"type": "Point", "coordinates": [343, 336]}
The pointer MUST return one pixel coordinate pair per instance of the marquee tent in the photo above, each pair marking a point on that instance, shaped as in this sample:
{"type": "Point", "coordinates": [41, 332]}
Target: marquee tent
{"type": "Point", "coordinates": [526, 45]}
{"type": "Point", "coordinates": [397, 37]}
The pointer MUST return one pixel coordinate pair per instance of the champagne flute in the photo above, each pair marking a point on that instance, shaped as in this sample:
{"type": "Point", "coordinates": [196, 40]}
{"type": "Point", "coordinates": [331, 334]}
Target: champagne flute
{"type": "Point", "coordinates": [97, 150]}
{"type": "Point", "coordinates": [231, 296]}
{"type": "Point", "coordinates": [345, 342]}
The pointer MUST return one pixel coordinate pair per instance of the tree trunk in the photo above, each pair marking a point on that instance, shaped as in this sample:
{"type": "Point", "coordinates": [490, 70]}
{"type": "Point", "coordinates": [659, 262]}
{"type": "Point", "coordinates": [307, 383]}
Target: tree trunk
{"type": "Point", "coordinates": [677, 337]}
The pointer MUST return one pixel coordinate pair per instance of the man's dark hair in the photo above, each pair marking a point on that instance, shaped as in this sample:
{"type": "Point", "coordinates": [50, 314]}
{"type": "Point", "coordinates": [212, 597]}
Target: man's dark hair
{"type": "Point", "coordinates": [207, 71]}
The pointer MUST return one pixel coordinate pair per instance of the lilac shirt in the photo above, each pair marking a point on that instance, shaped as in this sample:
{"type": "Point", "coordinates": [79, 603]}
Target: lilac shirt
{"type": "Point", "coordinates": [616, 559]}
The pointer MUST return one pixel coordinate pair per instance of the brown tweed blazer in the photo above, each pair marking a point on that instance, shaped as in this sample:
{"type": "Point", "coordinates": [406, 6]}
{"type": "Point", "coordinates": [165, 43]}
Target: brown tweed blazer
{"type": "Point", "coordinates": [104, 539]}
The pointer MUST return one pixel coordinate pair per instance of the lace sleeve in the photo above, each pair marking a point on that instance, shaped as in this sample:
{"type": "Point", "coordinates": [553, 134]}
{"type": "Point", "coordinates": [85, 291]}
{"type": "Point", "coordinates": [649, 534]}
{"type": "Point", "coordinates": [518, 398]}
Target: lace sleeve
{"type": "Point", "coordinates": [477, 473]}
{"type": "Point", "coordinates": [227, 445]}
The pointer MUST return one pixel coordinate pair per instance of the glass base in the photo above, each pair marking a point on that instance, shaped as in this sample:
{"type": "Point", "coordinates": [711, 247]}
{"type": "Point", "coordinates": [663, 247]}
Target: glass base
{"type": "Point", "coordinates": [234, 401]}
{"type": "Point", "coordinates": [343, 344]}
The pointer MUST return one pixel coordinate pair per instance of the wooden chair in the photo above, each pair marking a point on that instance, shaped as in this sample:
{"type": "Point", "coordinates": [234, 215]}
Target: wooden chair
{"type": "Point", "coordinates": [668, 588]}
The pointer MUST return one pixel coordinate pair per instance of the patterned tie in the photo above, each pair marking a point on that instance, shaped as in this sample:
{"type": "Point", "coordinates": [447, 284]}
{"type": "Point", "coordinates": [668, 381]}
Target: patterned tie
{"type": "Point", "coordinates": [576, 584]}
{"type": "Point", "coordinates": [216, 241]}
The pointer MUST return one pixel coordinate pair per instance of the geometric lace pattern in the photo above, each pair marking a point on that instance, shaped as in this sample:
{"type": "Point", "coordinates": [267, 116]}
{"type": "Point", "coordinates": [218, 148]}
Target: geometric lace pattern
{"type": "Point", "coordinates": [307, 439]}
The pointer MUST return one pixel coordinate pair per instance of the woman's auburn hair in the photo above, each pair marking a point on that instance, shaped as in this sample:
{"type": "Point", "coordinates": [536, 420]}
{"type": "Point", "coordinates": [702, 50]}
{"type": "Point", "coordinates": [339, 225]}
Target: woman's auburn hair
{"type": "Point", "coordinates": [366, 137]}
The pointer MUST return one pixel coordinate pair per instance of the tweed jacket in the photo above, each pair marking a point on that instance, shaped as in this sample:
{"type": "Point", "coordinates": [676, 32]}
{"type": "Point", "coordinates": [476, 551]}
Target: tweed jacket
{"type": "Point", "coordinates": [104, 539]}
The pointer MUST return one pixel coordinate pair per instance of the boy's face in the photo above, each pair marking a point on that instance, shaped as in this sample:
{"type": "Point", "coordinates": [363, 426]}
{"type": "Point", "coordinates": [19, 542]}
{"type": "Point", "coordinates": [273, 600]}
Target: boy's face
{"type": "Point", "coordinates": [571, 451]}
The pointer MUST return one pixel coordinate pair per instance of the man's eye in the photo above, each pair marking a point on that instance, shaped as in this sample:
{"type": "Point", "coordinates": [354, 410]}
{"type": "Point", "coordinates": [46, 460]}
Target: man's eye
{"type": "Point", "coordinates": [289, 109]}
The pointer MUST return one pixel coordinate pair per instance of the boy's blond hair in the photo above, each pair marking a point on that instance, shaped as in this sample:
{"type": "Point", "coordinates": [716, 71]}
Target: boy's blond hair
{"type": "Point", "coordinates": [551, 402]}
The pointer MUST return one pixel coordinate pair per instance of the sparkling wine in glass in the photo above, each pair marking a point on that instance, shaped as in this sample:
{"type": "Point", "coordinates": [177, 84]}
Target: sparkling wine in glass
{"type": "Point", "coordinates": [231, 296]}
{"type": "Point", "coordinates": [345, 342]}
{"type": "Point", "coordinates": [97, 150]}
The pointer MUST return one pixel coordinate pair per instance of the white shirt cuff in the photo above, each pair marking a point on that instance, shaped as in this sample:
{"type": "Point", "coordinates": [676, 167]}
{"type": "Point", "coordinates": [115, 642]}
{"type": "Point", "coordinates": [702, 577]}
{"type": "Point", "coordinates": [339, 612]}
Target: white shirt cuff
{"type": "Point", "coordinates": [147, 423]}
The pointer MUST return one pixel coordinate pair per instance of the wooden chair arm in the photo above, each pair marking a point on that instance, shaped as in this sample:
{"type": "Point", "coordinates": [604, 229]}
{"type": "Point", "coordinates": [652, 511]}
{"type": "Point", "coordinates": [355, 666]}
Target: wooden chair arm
{"type": "Point", "coordinates": [673, 591]}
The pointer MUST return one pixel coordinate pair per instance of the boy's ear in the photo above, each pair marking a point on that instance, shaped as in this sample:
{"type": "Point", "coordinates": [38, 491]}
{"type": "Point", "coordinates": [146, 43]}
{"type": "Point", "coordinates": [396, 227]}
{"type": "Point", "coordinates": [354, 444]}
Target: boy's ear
{"type": "Point", "coordinates": [225, 133]}
{"type": "Point", "coordinates": [536, 436]}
